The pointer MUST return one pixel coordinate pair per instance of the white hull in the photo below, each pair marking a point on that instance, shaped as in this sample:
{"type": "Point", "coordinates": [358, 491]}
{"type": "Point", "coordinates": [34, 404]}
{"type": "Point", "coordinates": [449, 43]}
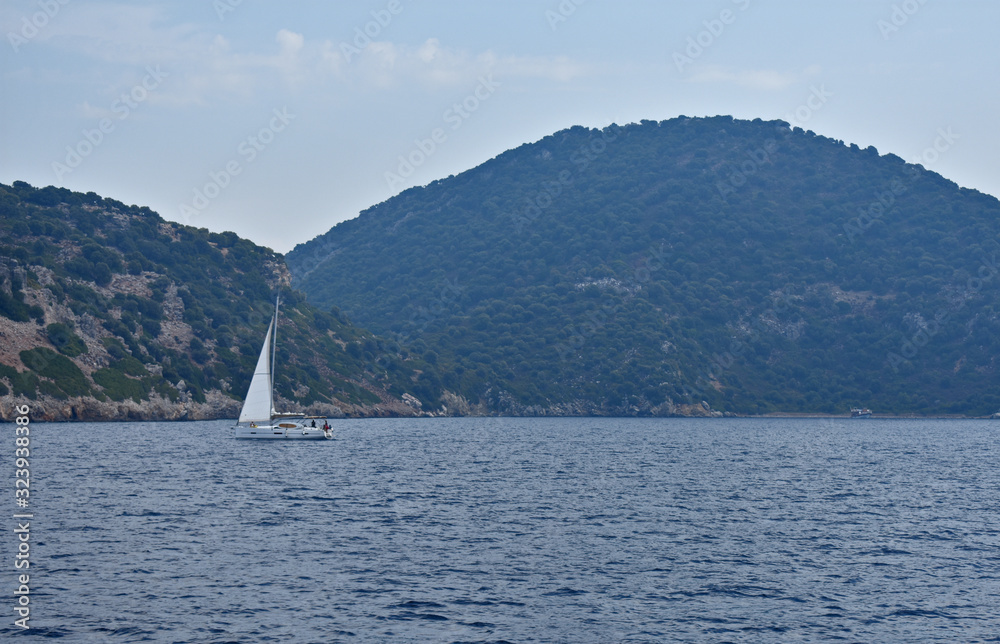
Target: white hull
{"type": "Point", "coordinates": [296, 432]}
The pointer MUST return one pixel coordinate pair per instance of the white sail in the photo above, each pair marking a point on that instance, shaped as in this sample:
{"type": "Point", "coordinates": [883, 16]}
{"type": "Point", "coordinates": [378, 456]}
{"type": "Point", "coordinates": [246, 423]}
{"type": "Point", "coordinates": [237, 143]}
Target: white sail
{"type": "Point", "coordinates": [258, 405]}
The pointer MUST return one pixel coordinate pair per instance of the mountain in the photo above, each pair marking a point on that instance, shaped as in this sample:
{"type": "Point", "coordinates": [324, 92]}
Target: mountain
{"type": "Point", "coordinates": [696, 265]}
{"type": "Point", "coordinates": [108, 312]}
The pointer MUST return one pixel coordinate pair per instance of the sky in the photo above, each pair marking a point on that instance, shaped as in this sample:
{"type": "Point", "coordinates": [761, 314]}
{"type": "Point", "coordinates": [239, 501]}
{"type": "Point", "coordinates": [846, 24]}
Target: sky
{"type": "Point", "coordinates": [278, 120]}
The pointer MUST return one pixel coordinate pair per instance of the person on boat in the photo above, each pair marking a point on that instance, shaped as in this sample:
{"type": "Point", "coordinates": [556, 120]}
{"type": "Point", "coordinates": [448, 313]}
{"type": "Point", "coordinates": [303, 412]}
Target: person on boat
{"type": "Point", "coordinates": [314, 422]}
{"type": "Point", "coordinates": [326, 426]}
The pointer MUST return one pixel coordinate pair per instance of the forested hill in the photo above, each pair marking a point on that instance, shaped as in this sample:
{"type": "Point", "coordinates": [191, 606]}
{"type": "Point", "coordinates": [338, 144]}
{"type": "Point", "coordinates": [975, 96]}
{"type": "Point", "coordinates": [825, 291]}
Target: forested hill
{"type": "Point", "coordinates": [108, 312]}
{"type": "Point", "coordinates": [641, 268]}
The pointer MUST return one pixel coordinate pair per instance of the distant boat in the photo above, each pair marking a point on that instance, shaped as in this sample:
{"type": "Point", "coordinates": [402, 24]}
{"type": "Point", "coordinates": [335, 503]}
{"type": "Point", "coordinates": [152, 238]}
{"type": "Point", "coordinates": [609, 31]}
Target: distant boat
{"type": "Point", "coordinates": [258, 419]}
{"type": "Point", "coordinates": [858, 412]}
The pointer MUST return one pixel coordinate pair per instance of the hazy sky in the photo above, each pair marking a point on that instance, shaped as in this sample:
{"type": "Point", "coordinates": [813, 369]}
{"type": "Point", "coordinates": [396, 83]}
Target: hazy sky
{"type": "Point", "coordinates": [279, 119]}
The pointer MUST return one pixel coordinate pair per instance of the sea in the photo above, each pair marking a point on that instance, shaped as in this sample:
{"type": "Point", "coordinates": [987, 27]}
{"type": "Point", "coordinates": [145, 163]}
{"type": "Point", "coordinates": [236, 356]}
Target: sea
{"type": "Point", "coordinates": [494, 530]}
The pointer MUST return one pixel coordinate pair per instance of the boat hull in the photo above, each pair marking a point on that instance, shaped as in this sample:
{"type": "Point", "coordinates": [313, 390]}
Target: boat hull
{"type": "Point", "coordinates": [276, 432]}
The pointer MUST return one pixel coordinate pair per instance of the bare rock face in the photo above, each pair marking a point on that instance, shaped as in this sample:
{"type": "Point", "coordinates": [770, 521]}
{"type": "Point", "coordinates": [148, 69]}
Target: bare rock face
{"type": "Point", "coordinates": [456, 405]}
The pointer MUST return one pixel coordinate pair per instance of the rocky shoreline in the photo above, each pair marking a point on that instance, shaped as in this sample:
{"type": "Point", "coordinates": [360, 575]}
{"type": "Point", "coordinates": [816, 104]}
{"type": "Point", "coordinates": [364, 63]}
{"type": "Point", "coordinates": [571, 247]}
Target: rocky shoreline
{"type": "Point", "coordinates": [219, 406]}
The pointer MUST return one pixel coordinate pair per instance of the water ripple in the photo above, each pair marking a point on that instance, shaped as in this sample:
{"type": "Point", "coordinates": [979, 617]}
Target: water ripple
{"type": "Point", "coordinates": [518, 530]}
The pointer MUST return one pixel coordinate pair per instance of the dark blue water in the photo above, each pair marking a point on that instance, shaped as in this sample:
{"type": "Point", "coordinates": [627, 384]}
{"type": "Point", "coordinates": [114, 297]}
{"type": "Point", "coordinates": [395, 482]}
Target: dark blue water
{"type": "Point", "coordinates": [515, 530]}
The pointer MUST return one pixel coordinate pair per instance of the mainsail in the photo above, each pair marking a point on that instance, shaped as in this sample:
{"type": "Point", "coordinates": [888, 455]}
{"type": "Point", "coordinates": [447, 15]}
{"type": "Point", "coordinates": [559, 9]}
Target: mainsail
{"type": "Point", "coordinates": [258, 406]}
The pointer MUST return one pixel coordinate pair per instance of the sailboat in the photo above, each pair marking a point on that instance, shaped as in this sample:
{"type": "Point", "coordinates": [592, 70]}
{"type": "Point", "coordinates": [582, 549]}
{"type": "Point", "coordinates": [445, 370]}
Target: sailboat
{"type": "Point", "coordinates": [258, 419]}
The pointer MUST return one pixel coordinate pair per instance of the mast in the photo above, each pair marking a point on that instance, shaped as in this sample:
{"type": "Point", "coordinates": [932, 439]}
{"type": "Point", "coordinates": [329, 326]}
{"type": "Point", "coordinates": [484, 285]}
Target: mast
{"type": "Point", "coordinates": [274, 349]}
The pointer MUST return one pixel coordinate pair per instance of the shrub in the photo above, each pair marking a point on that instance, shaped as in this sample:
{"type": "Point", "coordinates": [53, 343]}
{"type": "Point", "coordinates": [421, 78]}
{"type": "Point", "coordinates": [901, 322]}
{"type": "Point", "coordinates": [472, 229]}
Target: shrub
{"type": "Point", "coordinates": [13, 307]}
{"type": "Point", "coordinates": [149, 308]}
{"type": "Point", "coordinates": [151, 327]}
{"type": "Point", "coordinates": [118, 386]}
{"type": "Point", "coordinates": [130, 365]}
{"type": "Point", "coordinates": [102, 274]}
{"type": "Point", "coordinates": [50, 388]}
{"type": "Point", "coordinates": [65, 341]}
{"type": "Point", "coordinates": [115, 348]}
{"type": "Point", "coordinates": [49, 364]}
{"type": "Point", "coordinates": [163, 388]}
{"type": "Point", "coordinates": [25, 384]}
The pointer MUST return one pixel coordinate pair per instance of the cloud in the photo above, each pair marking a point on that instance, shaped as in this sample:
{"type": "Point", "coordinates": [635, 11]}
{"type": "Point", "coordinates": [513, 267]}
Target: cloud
{"type": "Point", "coordinates": [203, 66]}
{"type": "Point", "coordinates": [386, 65]}
{"type": "Point", "coordinates": [124, 34]}
{"type": "Point", "coordinates": [289, 41]}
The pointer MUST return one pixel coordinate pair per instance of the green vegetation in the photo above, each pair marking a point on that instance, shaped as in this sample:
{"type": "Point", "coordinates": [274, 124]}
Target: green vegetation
{"type": "Point", "coordinates": [12, 304]}
{"type": "Point", "coordinates": [62, 338]}
{"type": "Point", "coordinates": [65, 378]}
{"type": "Point", "coordinates": [25, 384]}
{"type": "Point", "coordinates": [746, 264]}
{"type": "Point", "coordinates": [125, 273]}
{"type": "Point", "coordinates": [618, 271]}
{"type": "Point", "coordinates": [119, 386]}
{"type": "Point", "coordinates": [8, 373]}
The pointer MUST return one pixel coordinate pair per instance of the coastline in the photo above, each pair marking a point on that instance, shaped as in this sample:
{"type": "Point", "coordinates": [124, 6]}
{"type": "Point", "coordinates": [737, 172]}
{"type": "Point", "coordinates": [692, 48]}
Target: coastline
{"type": "Point", "coordinates": [155, 411]}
